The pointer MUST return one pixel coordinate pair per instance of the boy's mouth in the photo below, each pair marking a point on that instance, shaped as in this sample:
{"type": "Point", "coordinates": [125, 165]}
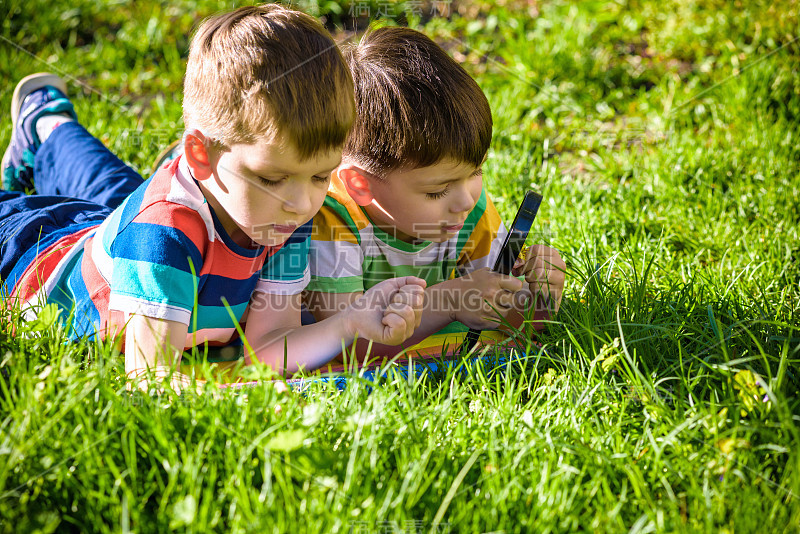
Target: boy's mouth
{"type": "Point", "coordinates": [453, 228]}
{"type": "Point", "coordinates": [284, 228]}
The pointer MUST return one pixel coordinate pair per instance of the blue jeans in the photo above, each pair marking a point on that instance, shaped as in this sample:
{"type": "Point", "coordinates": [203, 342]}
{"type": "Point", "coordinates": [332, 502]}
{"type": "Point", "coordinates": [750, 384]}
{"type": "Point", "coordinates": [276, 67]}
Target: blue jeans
{"type": "Point", "coordinates": [78, 182]}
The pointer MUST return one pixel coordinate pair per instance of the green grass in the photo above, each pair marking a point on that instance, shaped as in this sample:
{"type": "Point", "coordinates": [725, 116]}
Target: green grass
{"type": "Point", "coordinates": [665, 139]}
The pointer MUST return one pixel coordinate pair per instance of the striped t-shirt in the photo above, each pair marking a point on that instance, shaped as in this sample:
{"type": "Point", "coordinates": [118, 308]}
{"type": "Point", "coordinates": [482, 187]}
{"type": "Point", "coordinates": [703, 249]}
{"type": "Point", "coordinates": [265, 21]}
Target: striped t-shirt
{"type": "Point", "coordinates": [350, 254]}
{"type": "Point", "coordinates": [162, 253]}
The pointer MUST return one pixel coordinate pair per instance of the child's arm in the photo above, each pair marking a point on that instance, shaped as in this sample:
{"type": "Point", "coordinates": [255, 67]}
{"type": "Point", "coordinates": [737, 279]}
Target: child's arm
{"type": "Point", "coordinates": [387, 313]}
{"type": "Point", "coordinates": [470, 299]}
{"type": "Point", "coordinates": [154, 345]}
{"type": "Point", "coordinates": [460, 299]}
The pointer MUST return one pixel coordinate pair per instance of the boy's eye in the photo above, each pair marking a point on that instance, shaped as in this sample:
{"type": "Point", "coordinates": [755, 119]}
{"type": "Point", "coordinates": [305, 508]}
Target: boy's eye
{"type": "Point", "coordinates": [321, 178]}
{"type": "Point", "coordinates": [438, 194]}
{"type": "Point", "coordinates": [270, 182]}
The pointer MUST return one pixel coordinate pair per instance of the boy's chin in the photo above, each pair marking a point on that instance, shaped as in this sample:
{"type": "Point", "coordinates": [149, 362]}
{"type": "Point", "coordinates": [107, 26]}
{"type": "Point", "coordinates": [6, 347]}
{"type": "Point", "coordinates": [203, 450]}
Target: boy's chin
{"type": "Point", "coordinates": [442, 238]}
{"type": "Point", "coordinates": [272, 241]}
{"type": "Point", "coordinates": [435, 238]}
{"type": "Point", "coordinates": [273, 237]}
{"type": "Point", "coordinates": [411, 236]}
{"type": "Point", "coordinates": [260, 240]}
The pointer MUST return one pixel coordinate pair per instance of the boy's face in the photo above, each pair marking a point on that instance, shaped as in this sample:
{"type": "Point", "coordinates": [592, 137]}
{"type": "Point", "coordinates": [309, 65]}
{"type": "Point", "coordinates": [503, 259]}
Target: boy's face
{"type": "Point", "coordinates": [427, 203]}
{"type": "Point", "coordinates": [262, 192]}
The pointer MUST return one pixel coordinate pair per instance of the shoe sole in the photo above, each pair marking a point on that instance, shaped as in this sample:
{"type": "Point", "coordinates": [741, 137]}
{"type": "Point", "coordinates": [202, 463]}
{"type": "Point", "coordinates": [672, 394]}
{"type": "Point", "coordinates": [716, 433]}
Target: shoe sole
{"type": "Point", "coordinates": [31, 83]}
{"type": "Point", "coordinates": [26, 86]}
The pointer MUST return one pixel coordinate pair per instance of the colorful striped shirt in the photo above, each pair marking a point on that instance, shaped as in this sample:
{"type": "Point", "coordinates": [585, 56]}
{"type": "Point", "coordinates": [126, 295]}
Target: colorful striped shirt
{"type": "Point", "coordinates": [350, 254]}
{"type": "Point", "coordinates": [162, 253]}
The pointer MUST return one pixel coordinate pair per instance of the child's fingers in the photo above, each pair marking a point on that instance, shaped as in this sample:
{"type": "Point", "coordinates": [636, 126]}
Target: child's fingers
{"type": "Point", "coordinates": [504, 300]}
{"type": "Point", "coordinates": [542, 288]}
{"type": "Point", "coordinates": [549, 297]}
{"type": "Point", "coordinates": [545, 271]}
{"type": "Point", "coordinates": [403, 310]}
{"type": "Point", "coordinates": [509, 283]}
{"type": "Point", "coordinates": [546, 276]}
{"type": "Point", "coordinates": [548, 255]}
{"type": "Point", "coordinates": [527, 261]}
{"type": "Point", "coordinates": [538, 265]}
{"type": "Point", "coordinates": [399, 323]}
{"type": "Point", "coordinates": [522, 298]}
{"type": "Point", "coordinates": [542, 251]}
{"type": "Point", "coordinates": [383, 292]}
{"type": "Point", "coordinates": [497, 292]}
{"type": "Point", "coordinates": [411, 281]}
{"type": "Point", "coordinates": [412, 296]}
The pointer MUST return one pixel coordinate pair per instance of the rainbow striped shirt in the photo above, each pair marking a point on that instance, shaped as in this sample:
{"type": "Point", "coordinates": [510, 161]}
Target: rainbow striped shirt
{"type": "Point", "coordinates": [163, 254]}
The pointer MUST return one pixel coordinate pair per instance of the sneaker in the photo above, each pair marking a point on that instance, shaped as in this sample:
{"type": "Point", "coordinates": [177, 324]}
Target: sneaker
{"type": "Point", "coordinates": [35, 95]}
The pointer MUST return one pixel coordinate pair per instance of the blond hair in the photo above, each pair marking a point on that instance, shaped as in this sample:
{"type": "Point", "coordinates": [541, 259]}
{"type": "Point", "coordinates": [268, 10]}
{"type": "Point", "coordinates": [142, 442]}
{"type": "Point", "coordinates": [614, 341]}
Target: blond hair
{"type": "Point", "coordinates": [415, 106]}
{"type": "Point", "coordinates": [268, 71]}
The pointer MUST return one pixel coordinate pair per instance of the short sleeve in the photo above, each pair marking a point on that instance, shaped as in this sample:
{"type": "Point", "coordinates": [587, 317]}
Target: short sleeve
{"type": "Point", "coordinates": [155, 260]}
{"type": "Point", "coordinates": [286, 272]}
{"type": "Point", "coordinates": [335, 256]}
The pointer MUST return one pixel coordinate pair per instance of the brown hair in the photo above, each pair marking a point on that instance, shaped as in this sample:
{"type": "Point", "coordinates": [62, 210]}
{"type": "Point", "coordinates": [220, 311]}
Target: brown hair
{"type": "Point", "coordinates": [415, 106]}
{"type": "Point", "coordinates": [267, 71]}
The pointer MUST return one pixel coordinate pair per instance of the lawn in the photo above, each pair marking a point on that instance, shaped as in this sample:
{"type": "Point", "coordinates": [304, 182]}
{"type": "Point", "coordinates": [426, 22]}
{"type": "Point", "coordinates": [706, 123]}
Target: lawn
{"type": "Point", "coordinates": [665, 138]}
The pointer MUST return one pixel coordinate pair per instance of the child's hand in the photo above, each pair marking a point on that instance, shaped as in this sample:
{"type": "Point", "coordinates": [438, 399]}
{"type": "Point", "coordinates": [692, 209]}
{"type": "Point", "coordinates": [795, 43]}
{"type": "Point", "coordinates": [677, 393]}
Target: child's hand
{"type": "Point", "coordinates": [480, 295]}
{"type": "Point", "coordinates": [544, 272]}
{"type": "Point", "coordinates": [389, 312]}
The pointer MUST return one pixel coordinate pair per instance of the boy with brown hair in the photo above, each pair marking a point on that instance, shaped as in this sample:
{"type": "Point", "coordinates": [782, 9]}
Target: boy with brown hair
{"type": "Point", "coordinates": [218, 237]}
{"type": "Point", "coordinates": [408, 198]}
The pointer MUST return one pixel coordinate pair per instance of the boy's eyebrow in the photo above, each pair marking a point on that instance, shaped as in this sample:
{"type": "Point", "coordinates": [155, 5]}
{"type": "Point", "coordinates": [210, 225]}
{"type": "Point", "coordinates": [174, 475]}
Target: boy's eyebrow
{"type": "Point", "coordinates": [442, 182]}
{"type": "Point", "coordinates": [328, 171]}
{"type": "Point", "coordinates": [285, 172]}
{"type": "Point", "coordinates": [334, 167]}
{"type": "Point", "coordinates": [273, 171]}
{"type": "Point", "coordinates": [455, 179]}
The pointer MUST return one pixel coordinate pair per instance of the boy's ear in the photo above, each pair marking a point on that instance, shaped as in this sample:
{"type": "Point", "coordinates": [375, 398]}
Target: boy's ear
{"type": "Point", "coordinates": [195, 150]}
{"type": "Point", "coordinates": [356, 183]}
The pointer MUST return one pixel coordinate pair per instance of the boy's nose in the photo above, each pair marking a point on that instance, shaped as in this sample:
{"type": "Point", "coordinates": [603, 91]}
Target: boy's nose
{"type": "Point", "coordinates": [462, 200]}
{"type": "Point", "coordinates": [298, 200]}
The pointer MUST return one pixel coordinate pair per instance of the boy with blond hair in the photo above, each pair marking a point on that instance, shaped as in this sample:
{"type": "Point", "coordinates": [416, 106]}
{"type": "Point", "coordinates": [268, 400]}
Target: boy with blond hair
{"type": "Point", "coordinates": [408, 198]}
{"type": "Point", "coordinates": [217, 238]}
